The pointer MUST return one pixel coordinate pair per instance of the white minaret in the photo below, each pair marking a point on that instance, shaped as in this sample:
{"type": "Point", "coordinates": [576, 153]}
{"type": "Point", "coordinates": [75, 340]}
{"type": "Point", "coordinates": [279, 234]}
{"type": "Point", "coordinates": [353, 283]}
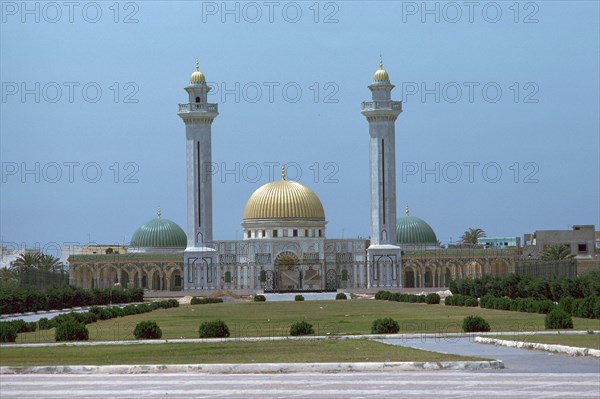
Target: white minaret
{"type": "Point", "coordinates": [381, 113]}
{"type": "Point", "coordinates": [198, 115]}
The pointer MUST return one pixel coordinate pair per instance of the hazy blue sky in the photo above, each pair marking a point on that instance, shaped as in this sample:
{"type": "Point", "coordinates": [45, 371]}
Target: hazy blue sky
{"type": "Point", "coordinates": [488, 87]}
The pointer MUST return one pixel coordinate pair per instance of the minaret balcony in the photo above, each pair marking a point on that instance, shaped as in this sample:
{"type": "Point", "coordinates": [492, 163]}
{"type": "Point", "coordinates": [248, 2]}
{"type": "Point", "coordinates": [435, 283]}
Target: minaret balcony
{"type": "Point", "coordinates": [199, 107]}
{"type": "Point", "coordinates": [382, 105]}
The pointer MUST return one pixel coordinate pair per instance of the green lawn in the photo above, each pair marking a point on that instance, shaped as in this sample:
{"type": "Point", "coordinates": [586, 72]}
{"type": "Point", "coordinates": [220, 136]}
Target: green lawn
{"type": "Point", "coordinates": [251, 319]}
{"type": "Point", "coordinates": [222, 352]}
{"type": "Point", "coordinates": [582, 341]}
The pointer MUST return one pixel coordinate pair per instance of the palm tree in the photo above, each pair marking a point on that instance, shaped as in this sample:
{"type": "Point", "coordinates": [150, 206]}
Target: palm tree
{"type": "Point", "coordinates": [557, 252]}
{"type": "Point", "coordinates": [49, 263]}
{"type": "Point", "coordinates": [470, 236]}
{"type": "Point", "coordinates": [27, 260]}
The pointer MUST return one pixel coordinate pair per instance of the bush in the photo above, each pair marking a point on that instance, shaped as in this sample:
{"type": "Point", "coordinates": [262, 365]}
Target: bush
{"type": "Point", "coordinates": [204, 301]}
{"type": "Point", "coordinates": [214, 329]}
{"type": "Point", "coordinates": [8, 332]}
{"type": "Point", "coordinates": [298, 298]}
{"type": "Point", "coordinates": [566, 304]}
{"type": "Point", "coordinates": [557, 319]}
{"type": "Point", "coordinates": [486, 301]}
{"type": "Point", "coordinates": [386, 325]}
{"type": "Point", "coordinates": [340, 296]}
{"type": "Point", "coordinates": [383, 295]}
{"type": "Point", "coordinates": [147, 330]}
{"type": "Point", "coordinates": [22, 326]}
{"type": "Point", "coordinates": [301, 328]}
{"type": "Point", "coordinates": [475, 324]}
{"type": "Point", "coordinates": [71, 330]}
{"type": "Point", "coordinates": [259, 298]}
{"type": "Point", "coordinates": [545, 306]}
{"type": "Point", "coordinates": [45, 324]}
{"type": "Point", "coordinates": [470, 301]}
{"type": "Point", "coordinates": [432, 299]}
{"type": "Point", "coordinates": [396, 297]}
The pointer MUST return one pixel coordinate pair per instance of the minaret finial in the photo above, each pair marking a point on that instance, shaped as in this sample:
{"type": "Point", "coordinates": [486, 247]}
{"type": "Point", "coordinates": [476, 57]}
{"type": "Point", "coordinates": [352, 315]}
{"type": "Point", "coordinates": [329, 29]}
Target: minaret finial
{"type": "Point", "coordinates": [159, 212]}
{"type": "Point", "coordinates": [380, 61]}
{"type": "Point", "coordinates": [406, 209]}
{"type": "Point", "coordinates": [197, 64]}
{"type": "Point", "coordinates": [282, 172]}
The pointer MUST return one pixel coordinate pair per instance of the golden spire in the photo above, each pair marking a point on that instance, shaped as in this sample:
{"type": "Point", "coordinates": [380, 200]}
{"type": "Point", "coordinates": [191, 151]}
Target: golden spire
{"type": "Point", "coordinates": [381, 75]}
{"type": "Point", "coordinates": [197, 76]}
{"type": "Point", "coordinates": [159, 212]}
{"type": "Point", "coordinates": [406, 209]}
{"type": "Point", "coordinates": [282, 172]}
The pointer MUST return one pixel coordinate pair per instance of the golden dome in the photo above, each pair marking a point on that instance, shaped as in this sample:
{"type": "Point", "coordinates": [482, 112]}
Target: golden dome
{"type": "Point", "coordinates": [381, 75]}
{"type": "Point", "coordinates": [197, 77]}
{"type": "Point", "coordinates": [284, 199]}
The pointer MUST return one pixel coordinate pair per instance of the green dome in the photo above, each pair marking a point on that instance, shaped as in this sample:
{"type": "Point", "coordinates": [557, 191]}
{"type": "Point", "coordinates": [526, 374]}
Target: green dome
{"type": "Point", "coordinates": [410, 230]}
{"type": "Point", "coordinates": [159, 233]}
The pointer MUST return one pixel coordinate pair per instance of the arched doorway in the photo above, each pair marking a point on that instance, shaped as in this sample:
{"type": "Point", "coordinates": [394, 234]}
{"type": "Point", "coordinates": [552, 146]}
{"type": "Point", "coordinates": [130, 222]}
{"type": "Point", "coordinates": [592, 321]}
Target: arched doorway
{"type": "Point", "coordinates": [289, 274]}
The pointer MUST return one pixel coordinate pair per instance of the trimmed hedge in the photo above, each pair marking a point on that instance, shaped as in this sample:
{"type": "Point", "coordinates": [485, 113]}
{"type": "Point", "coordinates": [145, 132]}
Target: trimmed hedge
{"type": "Point", "coordinates": [432, 299]}
{"type": "Point", "coordinates": [8, 332]}
{"type": "Point", "coordinates": [94, 314]}
{"type": "Point", "coordinates": [475, 324]}
{"type": "Point", "coordinates": [18, 300]}
{"type": "Point", "coordinates": [386, 325]}
{"type": "Point", "coordinates": [400, 297]}
{"type": "Point", "coordinates": [517, 305]}
{"type": "Point", "coordinates": [298, 298]}
{"type": "Point", "coordinates": [461, 300]}
{"type": "Point", "coordinates": [259, 298]}
{"type": "Point", "coordinates": [147, 329]}
{"type": "Point", "coordinates": [213, 329]}
{"type": "Point", "coordinates": [71, 330]}
{"type": "Point", "coordinates": [515, 286]}
{"type": "Point", "coordinates": [558, 319]}
{"type": "Point", "coordinates": [340, 296]}
{"type": "Point", "coordinates": [301, 328]}
{"type": "Point", "coordinates": [204, 301]}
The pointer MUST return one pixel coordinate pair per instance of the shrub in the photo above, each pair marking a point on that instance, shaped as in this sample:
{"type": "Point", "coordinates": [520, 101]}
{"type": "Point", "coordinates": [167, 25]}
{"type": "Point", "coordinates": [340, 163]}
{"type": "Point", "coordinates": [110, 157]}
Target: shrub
{"type": "Point", "coordinates": [301, 328]}
{"type": "Point", "coordinates": [486, 301]}
{"type": "Point", "coordinates": [147, 330]}
{"type": "Point", "coordinates": [259, 298]}
{"type": "Point", "coordinates": [340, 296]}
{"type": "Point", "coordinates": [45, 324]}
{"type": "Point", "coordinates": [545, 306]}
{"type": "Point", "coordinates": [386, 325]}
{"type": "Point", "coordinates": [116, 311]}
{"type": "Point", "coordinates": [383, 295]}
{"type": "Point", "coordinates": [557, 319]}
{"type": "Point", "coordinates": [588, 307]}
{"type": "Point", "coordinates": [214, 329]}
{"type": "Point", "coordinates": [396, 296]}
{"type": "Point", "coordinates": [22, 326]}
{"type": "Point", "coordinates": [432, 299]}
{"type": "Point", "coordinates": [71, 330]}
{"type": "Point", "coordinates": [204, 301]}
{"type": "Point", "coordinates": [566, 304]}
{"type": "Point", "coordinates": [475, 324]}
{"type": "Point", "coordinates": [298, 298]}
{"type": "Point", "coordinates": [470, 301]}
{"type": "Point", "coordinates": [8, 332]}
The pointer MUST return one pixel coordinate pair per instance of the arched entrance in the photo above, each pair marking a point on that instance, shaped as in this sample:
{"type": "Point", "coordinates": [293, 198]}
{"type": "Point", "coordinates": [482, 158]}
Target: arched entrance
{"type": "Point", "coordinates": [289, 275]}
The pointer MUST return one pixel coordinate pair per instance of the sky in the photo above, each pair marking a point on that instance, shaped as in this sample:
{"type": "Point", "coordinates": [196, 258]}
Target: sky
{"type": "Point", "coordinates": [499, 130]}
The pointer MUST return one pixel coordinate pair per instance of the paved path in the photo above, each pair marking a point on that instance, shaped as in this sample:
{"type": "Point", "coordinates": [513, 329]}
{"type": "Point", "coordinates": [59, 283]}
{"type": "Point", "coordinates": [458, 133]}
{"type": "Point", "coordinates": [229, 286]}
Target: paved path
{"type": "Point", "coordinates": [515, 360]}
{"type": "Point", "coordinates": [434, 384]}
